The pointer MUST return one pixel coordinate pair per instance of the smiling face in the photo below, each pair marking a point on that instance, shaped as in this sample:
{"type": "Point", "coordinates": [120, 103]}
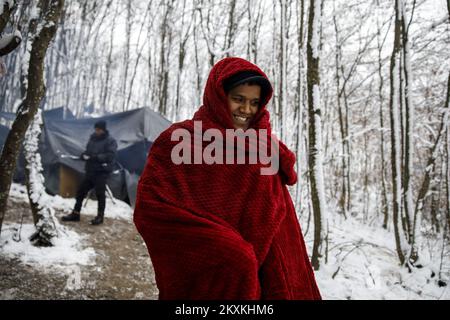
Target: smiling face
{"type": "Point", "coordinates": [243, 101]}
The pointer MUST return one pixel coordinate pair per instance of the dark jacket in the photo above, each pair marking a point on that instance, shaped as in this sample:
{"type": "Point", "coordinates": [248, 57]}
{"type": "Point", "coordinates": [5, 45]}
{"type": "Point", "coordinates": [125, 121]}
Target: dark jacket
{"type": "Point", "coordinates": [102, 152]}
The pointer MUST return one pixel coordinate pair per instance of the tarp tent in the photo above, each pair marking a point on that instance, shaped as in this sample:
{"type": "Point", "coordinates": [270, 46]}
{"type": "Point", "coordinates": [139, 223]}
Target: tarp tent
{"type": "Point", "coordinates": [6, 120]}
{"type": "Point", "coordinates": [57, 113]}
{"type": "Point", "coordinates": [134, 131]}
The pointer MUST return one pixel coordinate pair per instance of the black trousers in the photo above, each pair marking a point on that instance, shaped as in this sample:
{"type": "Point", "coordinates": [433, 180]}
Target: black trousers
{"type": "Point", "coordinates": [98, 182]}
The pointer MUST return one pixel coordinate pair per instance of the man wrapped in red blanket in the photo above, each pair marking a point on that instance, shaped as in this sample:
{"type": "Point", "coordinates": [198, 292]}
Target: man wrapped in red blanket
{"type": "Point", "coordinates": [220, 229]}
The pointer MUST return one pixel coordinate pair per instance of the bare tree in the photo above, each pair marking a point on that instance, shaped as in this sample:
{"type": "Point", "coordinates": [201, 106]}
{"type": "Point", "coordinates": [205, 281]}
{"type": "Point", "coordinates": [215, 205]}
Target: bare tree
{"type": "Point", "coordinates": [231, 28]}
{"type": "Point", "coordinates": [315, 134]}
{"type": "Point", "coordinates": [344, 200]}
{"type": "Point", "coordinates": [394, 106]}
{"type": "Point", "coordinates": [140, 51]}
{"type": "Point", "coordinates": [165, 45]}
{"type": "Point", "coordinates": [45, 28]}
{"type": "Point", "coordinates": [283, 67]}
{"type": "Point", "coordinates": [409, 138]}
{"type": "Point", "coordinates": [384, 201]}
{"type": "Point", "coordinates": [254, 11]}
{"type": "Point", "coordinates": [126, 57]}
{"type": "Point", "coordinates": [108, 67]}
{"type": "Point", "coordinates": [300, 94]}
{"type": "Point", "coordinates": [184, 37]}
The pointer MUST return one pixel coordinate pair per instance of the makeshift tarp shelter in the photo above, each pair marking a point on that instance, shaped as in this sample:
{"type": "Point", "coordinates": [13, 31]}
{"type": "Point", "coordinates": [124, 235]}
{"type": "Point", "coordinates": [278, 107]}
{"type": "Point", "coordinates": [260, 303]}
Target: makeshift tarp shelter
{"type": "Point", "coordinates": [133, 130]}
{"type": "Point", "coordinates": [6, 120]}
{"type": "Point", "coordinates": [58, 113]}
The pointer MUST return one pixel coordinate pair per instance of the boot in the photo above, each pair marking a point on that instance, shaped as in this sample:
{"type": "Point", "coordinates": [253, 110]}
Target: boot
{"type": "Point", "coordinates": [74, 216]}
{"type": "Point", "coordinates": [98, 219]}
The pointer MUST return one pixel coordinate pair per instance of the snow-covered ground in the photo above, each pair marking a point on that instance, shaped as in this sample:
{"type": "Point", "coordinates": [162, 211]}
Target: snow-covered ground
{"type": "Point", "coordinates": [69, 247]}
{"type": "Point", "coordinates": [362, 261]}
{"type": "Point", "coordinates": [115, 209]}
{"type": "Point", "coordinates": [86, 262]}
{"type": "Point", "coordinates": [363, 264]}
{"type": "Point", "coordinates": [67, 250]}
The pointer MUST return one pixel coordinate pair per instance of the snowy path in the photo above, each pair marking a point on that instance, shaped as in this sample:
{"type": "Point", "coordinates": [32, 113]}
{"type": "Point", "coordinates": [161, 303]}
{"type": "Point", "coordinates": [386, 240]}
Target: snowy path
{"type": "Point", "coordinates": [88, 262]}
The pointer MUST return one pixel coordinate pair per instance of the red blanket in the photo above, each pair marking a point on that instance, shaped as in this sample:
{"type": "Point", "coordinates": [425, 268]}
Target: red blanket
{"type": "Point", "coordinates": [222, 231]}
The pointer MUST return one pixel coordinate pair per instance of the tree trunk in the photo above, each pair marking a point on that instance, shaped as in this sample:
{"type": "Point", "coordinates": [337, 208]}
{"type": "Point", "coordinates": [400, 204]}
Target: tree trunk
{"type": "Point", "coordinates": [447, 149]}
{"type": "Point", "coordinates": [163, 80]}
{"type": "Point", "coordinates": [106, 95]}
{"type": "Point", "coordinates": [231, 29]}
{"type": "Point", "coordinates": [50, 11]}
{"type": "Point", "coordinates": [385, 207]}
{"type": "Point", "coordinates": [283, 65]}
{"type": "Point", "coordinates": [300, 101]}
{"type": "Point", "coordinates": [184, 36]}
{"type": "Point", "coordinates": [43, 214]}
{"type": "Point", "coordinates": [435, 202]}
{"type": "Point", "coordinates": [347, 155]}
{"type": "Point", "coordinates": [254, 24]}
{"type": "Point", "coordinates": [126, 61]}
{"type": "Point", "coordinates": [395, 132]}
{"type": "Point", "coordinates": [343, 195]}
{"type": "Point", "coordinates": [414, 225]}
{"type": "Point", "coordinates": [315, 134]}
{"type": "Point", "coordinates": [139, 56]}
{"type": "Point", "coordinates": [198, 80]}
{"type": "Point", "coordinates": [423, 191]}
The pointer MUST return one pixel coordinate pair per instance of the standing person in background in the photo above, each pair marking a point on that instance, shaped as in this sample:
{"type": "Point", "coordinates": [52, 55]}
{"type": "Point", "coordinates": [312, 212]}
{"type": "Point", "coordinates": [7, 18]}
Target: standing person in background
{"type": "Point", "coordinates": [100, 157]}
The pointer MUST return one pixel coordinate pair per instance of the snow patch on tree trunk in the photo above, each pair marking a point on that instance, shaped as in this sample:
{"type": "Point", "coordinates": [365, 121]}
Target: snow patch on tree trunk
{"type": "Point", "coordinates": [45, 221]}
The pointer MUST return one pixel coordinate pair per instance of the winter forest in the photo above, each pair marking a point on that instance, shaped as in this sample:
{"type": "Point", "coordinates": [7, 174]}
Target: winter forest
{"type": "Point", "coordinates": [361, 95]}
